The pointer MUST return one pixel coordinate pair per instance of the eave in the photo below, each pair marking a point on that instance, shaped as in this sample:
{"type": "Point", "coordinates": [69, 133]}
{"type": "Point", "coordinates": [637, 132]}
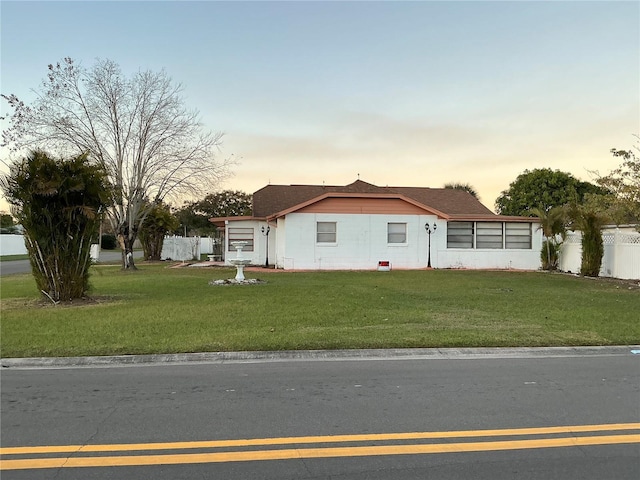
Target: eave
{"type": "Point", "coordinates": [221, 221]}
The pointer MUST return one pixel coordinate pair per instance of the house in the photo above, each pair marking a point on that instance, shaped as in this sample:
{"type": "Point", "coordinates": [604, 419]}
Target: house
{"type": "Point", "coordinates": [317, 227]}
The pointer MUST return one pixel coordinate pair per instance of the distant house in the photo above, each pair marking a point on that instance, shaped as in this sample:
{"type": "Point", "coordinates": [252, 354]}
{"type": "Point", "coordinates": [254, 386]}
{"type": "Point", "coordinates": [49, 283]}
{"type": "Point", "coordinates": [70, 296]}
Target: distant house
{"type": "Point", "coordinates": [354, 227]}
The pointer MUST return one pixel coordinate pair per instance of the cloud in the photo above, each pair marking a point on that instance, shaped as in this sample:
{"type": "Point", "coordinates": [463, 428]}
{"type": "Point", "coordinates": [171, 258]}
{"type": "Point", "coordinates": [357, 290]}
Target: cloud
{"type": "Point", "coordinates": [420, 152]}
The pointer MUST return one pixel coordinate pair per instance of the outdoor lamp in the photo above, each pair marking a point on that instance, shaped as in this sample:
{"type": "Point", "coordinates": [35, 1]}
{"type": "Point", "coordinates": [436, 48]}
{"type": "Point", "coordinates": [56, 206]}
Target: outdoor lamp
{"type": "Point", "coordinates": [265, 232]}
{"type": "Point", "coordinates": [430, 229]}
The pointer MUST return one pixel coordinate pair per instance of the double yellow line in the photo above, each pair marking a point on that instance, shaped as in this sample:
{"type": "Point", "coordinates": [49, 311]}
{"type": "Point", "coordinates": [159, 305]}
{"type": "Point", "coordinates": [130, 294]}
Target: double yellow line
{"type": "Point", "coordinates": [567, 436]}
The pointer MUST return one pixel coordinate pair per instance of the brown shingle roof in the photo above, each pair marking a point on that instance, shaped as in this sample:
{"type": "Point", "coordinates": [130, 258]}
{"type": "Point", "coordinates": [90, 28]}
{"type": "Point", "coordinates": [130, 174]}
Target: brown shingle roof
{"type": "Point", "coordinates": [272, 199]}
{"type": "Point", "coordinates": [448, 200]}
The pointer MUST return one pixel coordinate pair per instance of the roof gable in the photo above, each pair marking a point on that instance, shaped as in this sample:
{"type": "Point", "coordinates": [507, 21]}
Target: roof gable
{"type": "Point", "coordinates": [276, 200]}
{"type": "Point", "coordinates": [361, 203]}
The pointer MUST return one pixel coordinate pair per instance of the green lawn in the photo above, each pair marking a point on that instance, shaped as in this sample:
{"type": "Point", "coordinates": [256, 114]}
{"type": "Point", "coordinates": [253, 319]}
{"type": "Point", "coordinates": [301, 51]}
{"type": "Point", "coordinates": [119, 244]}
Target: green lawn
{"type": "Point", "coordinates": [11, 258]}
{"type": "Point", "coordinates": [163, 310]}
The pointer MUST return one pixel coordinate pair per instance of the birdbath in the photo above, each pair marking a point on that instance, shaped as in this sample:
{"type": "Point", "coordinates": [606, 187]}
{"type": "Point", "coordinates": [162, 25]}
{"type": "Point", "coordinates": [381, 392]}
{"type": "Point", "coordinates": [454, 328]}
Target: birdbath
{"type": "Point", "coordinates": [239, 262]}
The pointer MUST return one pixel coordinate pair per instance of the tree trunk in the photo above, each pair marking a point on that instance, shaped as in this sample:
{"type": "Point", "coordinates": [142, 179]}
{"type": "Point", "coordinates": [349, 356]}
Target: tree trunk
{"type": "Point", "coordinates": [126, 244]}
{"type": "Point", "coordinates": [152, 246]}
{"type": "Point", "coordinates": [156, 247]}
{"type": "Point", "coordinates": [549, 254]}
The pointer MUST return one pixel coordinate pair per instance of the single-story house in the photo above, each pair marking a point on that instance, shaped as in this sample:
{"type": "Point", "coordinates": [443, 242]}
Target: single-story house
{"type": "Point", "coordinates": [357, 226]}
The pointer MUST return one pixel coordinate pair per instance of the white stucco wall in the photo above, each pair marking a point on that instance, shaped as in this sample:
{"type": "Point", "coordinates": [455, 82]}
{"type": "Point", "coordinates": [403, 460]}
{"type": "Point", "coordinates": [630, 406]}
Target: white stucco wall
{"type": "Point", "coordinates": [491, 258]}
{"type": "Point", "coordinates": [260, 242]}
{"type": "Point", "coordinates": [257, 257]}
{"type": "Point", "coordinates": [279, 244]}
{"type": "Point", "coordinates": [362, 243]}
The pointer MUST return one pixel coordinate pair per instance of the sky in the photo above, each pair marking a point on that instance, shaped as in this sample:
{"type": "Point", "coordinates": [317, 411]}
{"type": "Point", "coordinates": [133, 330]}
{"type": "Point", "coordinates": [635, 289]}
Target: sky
{"type": "Point", "coordinates": [398, 93]}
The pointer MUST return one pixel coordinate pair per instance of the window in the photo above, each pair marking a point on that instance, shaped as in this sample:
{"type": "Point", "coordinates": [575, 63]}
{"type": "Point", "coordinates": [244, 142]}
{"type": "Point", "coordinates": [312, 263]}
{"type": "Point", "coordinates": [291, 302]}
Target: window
{"type": "Point", "coordinates": [460, 235]}
{"type": "Point", "coordinates": [396, 233]}
{"type": "Point", "coordinates": [326, 232]}
{"type": "Point", "coordinates": [518, 235]}
{"type": "Point", "coordinates": [489, 235]}
{"type": "Point", "coordinates": [237, 234]}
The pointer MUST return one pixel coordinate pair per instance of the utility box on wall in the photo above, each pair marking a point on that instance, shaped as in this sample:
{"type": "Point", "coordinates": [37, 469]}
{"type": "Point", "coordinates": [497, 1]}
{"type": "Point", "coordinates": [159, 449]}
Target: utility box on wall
{"type": "Point", "coordinates": [384, 266]}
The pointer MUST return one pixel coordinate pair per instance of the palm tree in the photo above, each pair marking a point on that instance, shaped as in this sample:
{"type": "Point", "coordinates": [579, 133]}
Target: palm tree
{"type": "Point", "coordinates": [553, 222]}
{"type": "Point", "coordinates": [462, 186]}
{"type": "Point", "coordinates": [59, 203]}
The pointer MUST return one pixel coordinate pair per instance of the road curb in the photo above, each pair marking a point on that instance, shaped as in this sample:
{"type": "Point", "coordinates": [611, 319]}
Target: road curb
{"type": "Point", "coordinates": [317, 355]}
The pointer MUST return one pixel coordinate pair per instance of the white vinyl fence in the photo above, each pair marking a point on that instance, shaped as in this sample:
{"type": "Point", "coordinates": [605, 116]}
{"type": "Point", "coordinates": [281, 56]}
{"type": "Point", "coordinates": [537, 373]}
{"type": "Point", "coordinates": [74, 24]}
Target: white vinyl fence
{"type": "Point", "coordinates": [175, 248]}
{"type": "Point", "coordinates": [207, 245]}
{"type": "Point", "coordinates": [186, 248]}
{"type": "Point", "coordinates": [181, 248]}
{"type": "Point", "coordinates": [11, 244]}
{"type": "Point", "coordinates": [621, 254]}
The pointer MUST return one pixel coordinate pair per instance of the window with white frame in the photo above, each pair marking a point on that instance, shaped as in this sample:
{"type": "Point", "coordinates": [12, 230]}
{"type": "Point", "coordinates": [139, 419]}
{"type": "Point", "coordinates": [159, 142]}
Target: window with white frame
{"type": "Point", "coordinates": [396, 233]}
{"type": "Point", "coordinates": [238, 234]}
{"type": "Point", "coordinates": [518, 235]}
{"type": "Point", "coordinates": [489, 235]}
{"type": "Point", "coordinates": [460, 235]}
{"type": "Point", "coordinates": [326, 232]}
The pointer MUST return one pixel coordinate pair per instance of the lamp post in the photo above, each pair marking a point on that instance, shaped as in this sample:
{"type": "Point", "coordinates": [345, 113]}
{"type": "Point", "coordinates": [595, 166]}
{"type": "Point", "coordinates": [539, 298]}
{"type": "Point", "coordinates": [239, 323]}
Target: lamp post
{"type": "Point", "coordinates": [430, 229]}
{"type": "Point", "coordinates": [265, 232]}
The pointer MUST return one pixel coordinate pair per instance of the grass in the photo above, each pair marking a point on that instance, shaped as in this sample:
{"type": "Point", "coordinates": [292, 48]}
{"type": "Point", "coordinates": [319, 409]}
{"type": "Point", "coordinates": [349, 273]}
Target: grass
{"type": "Point", "coordinates": [11, 258]}
{"type": "Point", "coordinates": [162, 310]}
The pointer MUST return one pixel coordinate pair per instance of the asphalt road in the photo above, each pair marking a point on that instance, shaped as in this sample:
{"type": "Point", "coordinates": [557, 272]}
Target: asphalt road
{"type": "Point", "coordinates": [23, 266]}
{"type": "Point", "coordinates": [14, 266]}
{"type": "Point", "coordinates": [455, 411]}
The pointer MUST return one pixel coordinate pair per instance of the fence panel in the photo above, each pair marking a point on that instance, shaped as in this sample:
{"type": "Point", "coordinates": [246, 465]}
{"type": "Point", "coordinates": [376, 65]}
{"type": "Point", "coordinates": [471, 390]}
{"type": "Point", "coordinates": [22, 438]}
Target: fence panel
{"type": "Point", "coordinates": [11, 244]}
{"type": "Point", "coordinates": [627, 256]}
{"type": "Point", "coordinates": [570, 253]}
{"type": "Point", "coordinates": [621, 255]}
{"type": "Point", "coordinates": [181, 248]}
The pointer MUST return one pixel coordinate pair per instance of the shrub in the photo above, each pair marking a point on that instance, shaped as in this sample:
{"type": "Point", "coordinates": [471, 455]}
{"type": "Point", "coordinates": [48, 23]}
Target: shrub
{"type": "Point", "coordinates": [58, 202]}
{"type": "Point", "coordinates": [109, 242]}
{"type": "Point", "coordinates": [155, 226]}
{"type": "Point", "coordinates": [549, 254]}
{"type": "Point", "coordinates": [590, 220]}
{"type": "Point", "coordinates": [592, 249]}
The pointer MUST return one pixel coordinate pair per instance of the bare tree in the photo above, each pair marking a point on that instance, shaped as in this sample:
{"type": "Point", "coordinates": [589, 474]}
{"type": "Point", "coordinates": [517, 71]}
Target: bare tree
{"type": "Point", "coordinates": [139, 129]}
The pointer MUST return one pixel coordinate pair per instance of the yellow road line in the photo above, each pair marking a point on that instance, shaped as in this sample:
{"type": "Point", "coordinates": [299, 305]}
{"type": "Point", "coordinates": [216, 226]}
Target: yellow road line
{"type": "Point", "coordinates": [329, 452]}
{"type": "Point", "coordinates": [128, 447]}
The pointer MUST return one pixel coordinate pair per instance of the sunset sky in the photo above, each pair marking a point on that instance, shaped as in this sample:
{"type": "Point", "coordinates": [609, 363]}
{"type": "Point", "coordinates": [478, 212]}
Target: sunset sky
{"type": "Point", "coordinates": [400, 93]}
